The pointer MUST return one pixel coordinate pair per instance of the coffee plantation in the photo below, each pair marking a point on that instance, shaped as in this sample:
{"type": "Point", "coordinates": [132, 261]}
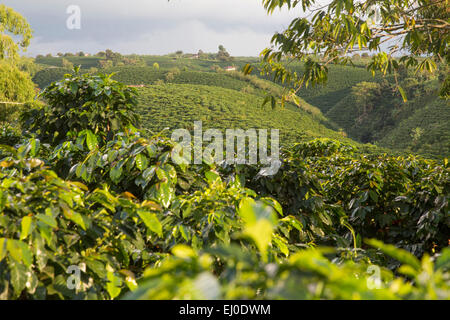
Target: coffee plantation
{"type": "Point", "coordinates": [97, 193]}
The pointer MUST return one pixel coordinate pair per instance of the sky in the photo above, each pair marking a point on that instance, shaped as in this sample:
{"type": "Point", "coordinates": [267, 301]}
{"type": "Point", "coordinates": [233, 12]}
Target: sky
{"type": "Point", "coordinates": [152, 26]}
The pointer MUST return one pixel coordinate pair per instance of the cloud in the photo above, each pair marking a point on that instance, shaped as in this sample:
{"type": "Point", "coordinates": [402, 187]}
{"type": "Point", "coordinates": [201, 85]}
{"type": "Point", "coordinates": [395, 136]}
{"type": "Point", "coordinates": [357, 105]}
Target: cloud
{"type": "Point", "coordinates": [152, 27]}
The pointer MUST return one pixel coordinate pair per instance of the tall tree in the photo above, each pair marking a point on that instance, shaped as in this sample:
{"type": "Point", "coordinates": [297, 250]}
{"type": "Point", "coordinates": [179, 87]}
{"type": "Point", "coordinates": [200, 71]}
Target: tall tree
{"type": "Point", "coordinates": [223, 55]}
{"type": "Point", "coordinates": [399, 33]}
{"type": "Point", "coordinates": [16, 86]}
{"type": "Point", "coordinates": [15, 33]}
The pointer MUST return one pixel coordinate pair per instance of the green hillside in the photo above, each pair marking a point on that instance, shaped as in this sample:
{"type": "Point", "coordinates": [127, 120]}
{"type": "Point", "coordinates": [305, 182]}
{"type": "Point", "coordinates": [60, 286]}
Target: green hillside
{"type": "Point", "coordinates": [84, 62]}
{"type": "Point", "coordinates": [179, 105]}
{"type": "Point", "coordinates": [45, 77]}
{"type": "Point", "coordinates": [374, 112]}
{"type": "Point", "coordinates": [340, 81]}
{"type": "Point", "coordinates": [426, 131]}
{"type": "Point", "coordinates": [378, 115]}
{"type": "Point", "coordinates": [235, 80]}
{"type": "Point", "coordinates": [170, 61]}
{"type": "Point", "coordinates": [147, 75]}
{"type": "Point", "coordinates": [134, 75]}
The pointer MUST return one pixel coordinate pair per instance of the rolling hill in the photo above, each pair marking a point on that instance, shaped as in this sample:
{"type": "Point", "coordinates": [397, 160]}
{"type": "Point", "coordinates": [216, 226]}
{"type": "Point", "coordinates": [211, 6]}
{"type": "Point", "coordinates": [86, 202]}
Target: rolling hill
{"type": "Point", "coordinates": [179, 105]}
{"type": "Point", "coordinates": [418, 126]}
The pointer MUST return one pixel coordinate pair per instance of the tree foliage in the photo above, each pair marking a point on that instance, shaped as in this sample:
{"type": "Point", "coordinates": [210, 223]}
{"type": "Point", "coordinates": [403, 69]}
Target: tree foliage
{"type": "Point", "coordinates": [15, 33]}
{"type": "Point", "coordinates": [15, 85]}
{"type": "Point", "coordinates": [223, 54]}
{"type": "Point", "coordinates": [80, 102]}
{"type": "Point", "coordinates": [16, 90]}
{"type": "Point", "coordinates": [332, 31]}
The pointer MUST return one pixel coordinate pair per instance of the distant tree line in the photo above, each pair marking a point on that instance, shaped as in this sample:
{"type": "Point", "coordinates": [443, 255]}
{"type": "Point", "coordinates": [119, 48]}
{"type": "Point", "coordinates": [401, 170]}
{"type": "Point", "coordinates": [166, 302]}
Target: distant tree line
{"type": "Point", "coordinates": [221, 55]}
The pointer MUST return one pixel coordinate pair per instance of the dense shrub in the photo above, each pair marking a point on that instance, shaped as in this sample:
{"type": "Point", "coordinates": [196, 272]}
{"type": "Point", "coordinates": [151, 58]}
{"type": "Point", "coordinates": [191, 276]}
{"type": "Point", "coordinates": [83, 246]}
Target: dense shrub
{"type": "Point", "coordinates": [81, 102]}
{"type": "Point", "coordinates": [402, 201]}
{"type": "Point", "coordinates": [48, 224]}
{"type": "Point", "coordinates": [16, 87]}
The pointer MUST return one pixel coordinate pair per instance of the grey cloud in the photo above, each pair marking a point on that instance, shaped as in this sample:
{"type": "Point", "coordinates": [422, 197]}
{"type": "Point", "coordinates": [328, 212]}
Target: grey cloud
{"type": "Point", "coordinates": [152, 26]}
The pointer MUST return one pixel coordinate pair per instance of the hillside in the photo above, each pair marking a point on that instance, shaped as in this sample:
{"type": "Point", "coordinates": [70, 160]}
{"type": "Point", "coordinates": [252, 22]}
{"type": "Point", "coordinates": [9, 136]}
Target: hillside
{"type": "Point", "coordinates": [340, 81]}
{"type": "Point", "coordinates": [375, 115]}
{"type": "Point", "coordinates": [425, 132]}
{"type": "Point", "coordinates": [370, 109]}
{"type": "Point", "coordinates": [179, 105]}
{"type": "Point", "coordinates": [174, 98]}
{"type": "Point", "coordinates": [84, 62]}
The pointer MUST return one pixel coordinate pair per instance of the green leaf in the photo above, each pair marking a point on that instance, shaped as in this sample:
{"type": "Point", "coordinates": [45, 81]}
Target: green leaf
{"type": "Point", "coordinates": [3, 248]}
{"type": "Point", "coordinates": [166, 193]}
{"type": "Point", "coordinates": [74, 88]}
{"type": "Point", "coordinates": [252, 211]}
{"type": "Point", "coordinates": [34, 143]}
{"type": "Point", "coordinates": [443, 261]}
{"type": "Point", "coordinates": [141, 162]}
{"type": "Point", "coordinates": [116, 173]}
{"type": "Point", "coordinates": [260, 220]}
{"type": "Point", "coordinates": [261, 234]}
{"type": "Point", "coordinates": [149, 173]}
{"type": "Point", "coordinates": [15, 250]}
{"type": "Point", "coordinates": [296, 100]}
{"type": "Point", "coordinates": [32, 282]}
{"type": "Point", "coordinates": [151, 221]}
{"type": "Point", "coordinates": [27, 255]}
{"type": "Point", "coordinates": [182, 251]}
{"type": "Point", "coordinates": [212, 177]}
{"type": "Point", "coordinates": [48, 220]}
{"type": "Point", "coordinates": [274, 204]}
{"type": "Point", "coordinates": [26, 227]}
{"type": "Point", "coordinates": [18, 277]}
{"type": "Point", "coordinates": [97, 267]}
{"type": "Point", "coordinates": [91, 140]}
{"type": "Point", "coordinates": [114, 282]}
{"type": "Point", "coordinates": [281, 245]}
{"type": "Point", "coordinates": [373, 195]}
{"type": "Point", "coordinates": [403, 94]}
{"type": "Point", "coordinates": [184, 232]}
{"type": "Point", "coordinates": [45, 232]}
{"type": "Point", "coordinates": [79, 220]}
{"type": "Point", "coordinates": [293, 221]}
{"type": "Point", "coordinates": [247, 69]}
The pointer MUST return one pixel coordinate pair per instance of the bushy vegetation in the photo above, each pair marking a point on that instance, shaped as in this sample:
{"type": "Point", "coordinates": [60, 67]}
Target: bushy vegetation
{"type": "Point", "coordinates": [15, 85]}
{"type": "Point", "coordinates": [17, 92]}
{"type": "Point", "coordinates": [84, 62]}
{"type": "Point", "coordinates": [398, 200]}
{"type": "Point", "coordinates": [102, 106]}
{"type": "Point", "coordinates": [138, 225]}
